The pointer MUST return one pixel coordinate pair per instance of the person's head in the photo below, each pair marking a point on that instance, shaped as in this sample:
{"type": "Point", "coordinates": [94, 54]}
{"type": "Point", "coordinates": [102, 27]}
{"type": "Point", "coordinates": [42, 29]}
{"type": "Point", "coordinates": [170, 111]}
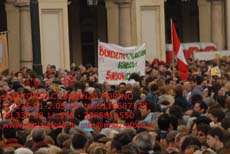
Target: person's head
{"type": "Point", "coordinates": [144, 142]}
{"type": "Point", "coordinates": [200, 107]}
{"type": "Point", "coordinates": [207, 91]}
{"type": "Point", "coordinates": [143, 81]}
{"type": "Point", "coordinates": [73, 65]}
{"type": "Point", "coordinates": [178, 90]}
{"type": "Point", "coordinates": [110, 133]}
{"type": "Point", "coordinates": [192, 149]}
{"type": "Point", "coordinates": [199, 80]}
{"type": "Point", "coordinates": [32, 75]}
{"type": "Point", "coordinates": [194, 129]}
{"type": "Point", "coordinates": [154, 73]}
{"type": "Point", "coordinates": [221, 92]}
{"type": "Point", "coordinates": [225, 123]}
{"type": "Point", "coordinates": [215, 138]}
{"type": "Point", "coordinates": [53, 68]}
{"type": "Point", "coordinates": [198, 121]}
{"type": "Point", "coordinates": [96, 148]}
{"type": "Point", "coordinates": [21, 136]}
{"type": "Point", "coordinates": [146, 108]}
{"type": "Point", "coordinates": [178, 139]}
{"type": "Point", "coordinates": [80, 113]}
{"type": "Point", "coordinates": [130, 131]}
{"type": "Point", "coordinates": [19, 75]}
{"type": "Point", "coordinates": [170, 137]}
{"type": "Point", "coordinates": [171, 82]}
{"type": "Point", "coordinates": [129, 149]}
{"type": "Point", "coordinates": [162, 68]}
{"type": "Point", "coordinates": [85, 77]}
{"type": "Point", "coordinates": [202, 119]}
{"type": "Point", "coordinates": [106, 86]}
{"type": "Point", "coordinates": [122, 87]}
{"type": "Point", "coordinates": [48, 67]}
{"type": "Point", "coordinates": [89, 67]}
{"type": "Point", "coordinates": [92, 79]}
{"type": "Point", "coordinates": [187, 86]}
{"type": "Point", "coordinates": [38, 134]}
{"type": "Point", "coordinates": [202, 130]}
{"type": "Point", "coordinates": [61, 138]}
{"type": "Point", "coordinates": [79, 141]}
{"type": "Point", "coordinates": [153, 87]}
{"type": "Point", "coordinates": [196, 98]}
{"type": "Point", "coordinates": [190, 141]}
{"type": "Point", "coordinates": [164, 122]}
{"type": "Point", "coordinates": [177, 111]}
{"type": "Point", "coordinates": [23, 151]}
{"type": "Point", "coordinates": [118, 141]}
{"type": "Point", "coordinates": [216, 115]}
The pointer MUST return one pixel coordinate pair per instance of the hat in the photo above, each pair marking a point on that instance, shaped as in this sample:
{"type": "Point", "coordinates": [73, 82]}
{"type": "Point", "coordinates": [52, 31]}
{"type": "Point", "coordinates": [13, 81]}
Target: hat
{"type": "Point", "coordinates": [23, 151]}
{"type": "Point", "coordinates": [86, 126]}
{"type": "Point", "coordinates": [109, 132]}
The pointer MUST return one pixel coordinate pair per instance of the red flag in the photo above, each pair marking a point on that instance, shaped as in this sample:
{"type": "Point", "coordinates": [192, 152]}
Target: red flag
{"type": "Point", "coordinates": [178, 51]}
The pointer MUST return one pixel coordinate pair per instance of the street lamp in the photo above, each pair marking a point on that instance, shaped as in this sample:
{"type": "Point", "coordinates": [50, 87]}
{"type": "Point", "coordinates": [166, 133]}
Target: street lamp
{"type": "Point", "coordinates": [92, 2]}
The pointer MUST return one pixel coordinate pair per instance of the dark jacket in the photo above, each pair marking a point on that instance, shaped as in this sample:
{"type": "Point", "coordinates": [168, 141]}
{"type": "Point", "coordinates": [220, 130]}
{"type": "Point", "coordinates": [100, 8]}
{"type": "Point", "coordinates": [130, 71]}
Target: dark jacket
{"type": "Point", "coordinates": [182, 102]}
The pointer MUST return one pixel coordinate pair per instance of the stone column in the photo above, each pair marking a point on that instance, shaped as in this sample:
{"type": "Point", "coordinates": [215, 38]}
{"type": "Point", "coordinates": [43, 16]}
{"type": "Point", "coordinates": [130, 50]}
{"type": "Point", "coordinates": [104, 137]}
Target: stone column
{"type": "Point", "coordinates": [217, 23]}
{"type": "Point", "coordinates": [205, 20]}
{"type": "Point", "coordinates": [227, 7]}
{"type": "Point", "coordinates": [124, 22]}
{"type": "Point", "coordinates": [13, 35]}
{"type": "Point", "coordinates": [112, 21]}
{"type": "Point", "coordinates": [25, 33]}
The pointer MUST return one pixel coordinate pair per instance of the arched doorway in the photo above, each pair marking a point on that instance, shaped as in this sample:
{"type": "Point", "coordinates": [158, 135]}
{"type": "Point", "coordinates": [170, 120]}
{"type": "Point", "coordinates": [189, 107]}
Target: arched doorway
{"type": "Point", "coordinates": [87, 25]}
{"type": "Point", "coordinates": [185, 14]}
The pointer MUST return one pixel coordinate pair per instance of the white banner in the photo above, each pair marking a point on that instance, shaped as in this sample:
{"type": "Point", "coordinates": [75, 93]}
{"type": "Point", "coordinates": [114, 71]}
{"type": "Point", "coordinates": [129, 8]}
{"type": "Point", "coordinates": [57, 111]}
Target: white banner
{"type": "Point", "coordinates": [210, 55]}
{"type": "Point", "coordinates": [116, 63]}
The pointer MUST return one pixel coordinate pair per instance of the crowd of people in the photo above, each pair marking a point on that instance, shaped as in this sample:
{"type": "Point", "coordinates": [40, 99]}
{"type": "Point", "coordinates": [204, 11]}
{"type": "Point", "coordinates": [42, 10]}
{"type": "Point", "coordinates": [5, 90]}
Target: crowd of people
{"type": "Point", "coordinates": [69, 112]}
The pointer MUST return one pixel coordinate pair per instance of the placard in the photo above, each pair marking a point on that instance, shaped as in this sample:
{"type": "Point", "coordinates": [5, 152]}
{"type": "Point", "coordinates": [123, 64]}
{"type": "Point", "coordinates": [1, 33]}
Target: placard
{"type": "Point", "coordinates": [116, 63]}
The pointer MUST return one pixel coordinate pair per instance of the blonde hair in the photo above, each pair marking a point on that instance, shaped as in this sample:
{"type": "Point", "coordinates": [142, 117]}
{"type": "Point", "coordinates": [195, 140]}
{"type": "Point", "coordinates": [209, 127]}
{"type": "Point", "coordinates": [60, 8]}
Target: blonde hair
{"type": "Point", "coordinates": [96, 148]}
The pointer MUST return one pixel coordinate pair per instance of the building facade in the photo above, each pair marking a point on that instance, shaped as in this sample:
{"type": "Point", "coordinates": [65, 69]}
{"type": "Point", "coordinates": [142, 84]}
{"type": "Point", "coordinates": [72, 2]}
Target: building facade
{"type": "Point", "coordinates": [64, 31]}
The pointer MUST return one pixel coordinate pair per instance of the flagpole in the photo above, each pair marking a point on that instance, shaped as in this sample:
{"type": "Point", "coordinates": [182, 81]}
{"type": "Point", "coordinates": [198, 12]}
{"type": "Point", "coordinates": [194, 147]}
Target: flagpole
{"type": "Point", "coordinates": [173, 70]}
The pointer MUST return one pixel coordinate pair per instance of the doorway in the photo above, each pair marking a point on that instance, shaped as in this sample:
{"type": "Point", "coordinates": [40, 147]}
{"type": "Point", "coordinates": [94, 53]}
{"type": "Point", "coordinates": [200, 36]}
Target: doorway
{"type": "Point", "coordinates": [87, 25]}
{"type": "Point", "coordinates": [185, 14]}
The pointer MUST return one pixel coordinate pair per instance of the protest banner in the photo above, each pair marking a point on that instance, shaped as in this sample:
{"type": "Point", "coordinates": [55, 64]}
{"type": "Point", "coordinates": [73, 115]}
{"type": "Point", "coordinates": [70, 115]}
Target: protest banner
{"type": "Point", "coordinates": [116, 63]}
{"type": "Point", "coordinates": [215, 71]}
{"type": "Point", "coordinates": [210, 55]}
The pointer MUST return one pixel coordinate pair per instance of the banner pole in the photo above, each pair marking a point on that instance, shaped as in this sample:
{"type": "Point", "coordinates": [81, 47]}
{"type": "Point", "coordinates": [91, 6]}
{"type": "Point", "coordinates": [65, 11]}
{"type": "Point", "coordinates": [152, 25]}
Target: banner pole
{"type": "Point", "coordinates": [173, 58]}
